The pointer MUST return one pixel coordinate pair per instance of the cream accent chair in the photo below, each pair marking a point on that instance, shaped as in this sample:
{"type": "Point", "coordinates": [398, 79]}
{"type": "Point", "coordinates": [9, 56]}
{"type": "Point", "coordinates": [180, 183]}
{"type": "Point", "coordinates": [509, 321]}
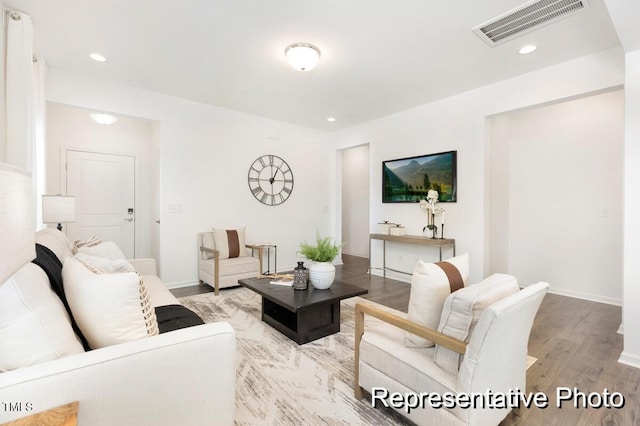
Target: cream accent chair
{"type": "Point", "coordinates": [494, 357]}
{"type": "Point", "coordinates": [222, 273]}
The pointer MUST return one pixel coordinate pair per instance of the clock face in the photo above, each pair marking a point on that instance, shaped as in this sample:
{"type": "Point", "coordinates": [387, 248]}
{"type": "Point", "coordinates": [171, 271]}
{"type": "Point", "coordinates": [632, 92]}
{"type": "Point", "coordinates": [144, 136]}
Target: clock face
{"type": "Point", "coordinates": [270, 180]}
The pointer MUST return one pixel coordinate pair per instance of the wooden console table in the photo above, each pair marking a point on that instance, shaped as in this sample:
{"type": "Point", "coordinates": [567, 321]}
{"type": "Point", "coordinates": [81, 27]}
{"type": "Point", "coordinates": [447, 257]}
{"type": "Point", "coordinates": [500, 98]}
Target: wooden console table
{"type": "Point", "coordinates": [407, 239]}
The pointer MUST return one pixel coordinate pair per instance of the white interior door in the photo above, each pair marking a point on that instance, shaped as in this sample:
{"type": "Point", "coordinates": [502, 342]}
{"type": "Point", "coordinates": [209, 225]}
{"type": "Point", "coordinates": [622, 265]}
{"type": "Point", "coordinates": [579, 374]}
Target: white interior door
{"type": "Point", "coordinates": [104, 187]}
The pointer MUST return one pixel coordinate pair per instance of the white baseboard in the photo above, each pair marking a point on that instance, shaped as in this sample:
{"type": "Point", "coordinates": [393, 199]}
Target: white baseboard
{"type": "Point", "coordinates": [585, 296]}
{"type": "Point", "coordinates": [559, 292]}
{"type": "Point", "coordinates": [365, 255]}
{"type": "Point", "coordinates": [392, 275]}
{"type": "Point", "coordinates": [180, 284]}
{"type": "Point", "coordinates": [632, 360]}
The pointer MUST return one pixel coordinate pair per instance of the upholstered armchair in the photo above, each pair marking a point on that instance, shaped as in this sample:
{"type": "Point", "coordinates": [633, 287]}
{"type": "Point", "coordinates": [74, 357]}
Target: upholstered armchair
{"type": "Point", "coordinates": [224, 258]}
{"type": "Point", "coordinates": [493, 357]}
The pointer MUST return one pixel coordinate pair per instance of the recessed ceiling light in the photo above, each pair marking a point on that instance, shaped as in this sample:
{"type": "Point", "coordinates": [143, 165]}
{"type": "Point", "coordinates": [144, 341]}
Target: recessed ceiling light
{"type": "Point", "coordinates": [524, 50]}
{"type": "Point", "coordinates": [105, 119]}
{"type": "Point", "coordinates": [97, 57]}
{"type": "Point", "coordinates": [331, 119]}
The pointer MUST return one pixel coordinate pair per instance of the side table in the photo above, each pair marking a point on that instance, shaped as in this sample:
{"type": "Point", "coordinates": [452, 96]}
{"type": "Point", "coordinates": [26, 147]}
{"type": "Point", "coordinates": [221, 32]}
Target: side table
{"type": "Point", "coordinates": [268, 247]}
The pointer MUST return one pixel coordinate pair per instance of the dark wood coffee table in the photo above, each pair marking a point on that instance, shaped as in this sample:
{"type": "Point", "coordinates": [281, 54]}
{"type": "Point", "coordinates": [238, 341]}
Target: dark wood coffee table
{"type": "Point", "coordinates": [302, 315]}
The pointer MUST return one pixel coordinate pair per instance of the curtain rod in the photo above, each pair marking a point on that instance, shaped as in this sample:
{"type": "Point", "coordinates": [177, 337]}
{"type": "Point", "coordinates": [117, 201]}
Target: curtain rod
{"type": "Point", "coordinates": [13, 13]}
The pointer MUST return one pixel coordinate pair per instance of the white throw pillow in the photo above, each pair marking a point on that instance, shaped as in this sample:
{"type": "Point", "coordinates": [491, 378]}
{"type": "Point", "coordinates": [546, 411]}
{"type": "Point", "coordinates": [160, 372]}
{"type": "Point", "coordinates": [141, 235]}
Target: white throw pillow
{"type": "Point", "coordinates": [462, 310]}
{"type": "Point", "coordinates": [91, 242]}
{"type": "Point", "coordinates": [109, 308]}
{"type": "Point", "coordinates": [229, 242]}
{"type": "Point", "coordinates": [34, 325]}
{"type": "Point", "coordinates": [431, 283]}
{"type": "Point", "coordinates": [107, 249]}
{"type": "Point", "coordinates": [104, 265]}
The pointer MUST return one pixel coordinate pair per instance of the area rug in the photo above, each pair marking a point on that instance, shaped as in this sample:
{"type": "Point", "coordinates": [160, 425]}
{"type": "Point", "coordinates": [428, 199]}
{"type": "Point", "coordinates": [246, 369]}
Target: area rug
{"type": "Point", "coordinates": [282, 383]}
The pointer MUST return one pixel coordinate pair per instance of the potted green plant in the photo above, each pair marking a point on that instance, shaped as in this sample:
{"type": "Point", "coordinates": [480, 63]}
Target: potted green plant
{"type": "Point", "coordinates": [321, 271]}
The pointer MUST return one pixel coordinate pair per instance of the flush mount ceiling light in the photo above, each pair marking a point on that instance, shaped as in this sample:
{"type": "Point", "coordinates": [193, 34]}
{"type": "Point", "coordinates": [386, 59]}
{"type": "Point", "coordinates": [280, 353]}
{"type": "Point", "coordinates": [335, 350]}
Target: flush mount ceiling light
{"type": "Point", "coordinates": [302, 56]}
{"type": "Point", "coordinates": [331, 119]}
{"type": "Point", "coordinates": [525, 50]}
{"type": "Point", "coordinates": [97, 57]}
{"type": "Point", "coordinates": [105, 119]}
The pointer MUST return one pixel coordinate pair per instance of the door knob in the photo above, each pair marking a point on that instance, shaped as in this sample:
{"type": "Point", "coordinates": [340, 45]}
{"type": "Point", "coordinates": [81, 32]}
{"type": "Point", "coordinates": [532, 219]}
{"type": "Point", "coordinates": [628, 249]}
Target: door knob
{"type": "Point", "coordinates": [129, 219]}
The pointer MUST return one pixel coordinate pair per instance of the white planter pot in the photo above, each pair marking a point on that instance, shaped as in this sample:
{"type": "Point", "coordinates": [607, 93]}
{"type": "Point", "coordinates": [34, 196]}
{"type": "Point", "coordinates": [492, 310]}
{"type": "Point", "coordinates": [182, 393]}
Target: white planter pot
{"type": "Point", "coordinates": [322, 274]}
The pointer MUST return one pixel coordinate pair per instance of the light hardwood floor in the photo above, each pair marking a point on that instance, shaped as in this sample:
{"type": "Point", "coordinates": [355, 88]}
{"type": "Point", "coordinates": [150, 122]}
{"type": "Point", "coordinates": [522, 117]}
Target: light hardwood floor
{"type": "Point", "coordinates": [575, 341]}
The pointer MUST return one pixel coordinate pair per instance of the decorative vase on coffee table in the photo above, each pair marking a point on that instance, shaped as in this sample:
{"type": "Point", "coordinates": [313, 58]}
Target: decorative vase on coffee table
{"type": "Point", "coordinates": [321, 274]}
{"type": "Point", "coordinates": [300, 277]}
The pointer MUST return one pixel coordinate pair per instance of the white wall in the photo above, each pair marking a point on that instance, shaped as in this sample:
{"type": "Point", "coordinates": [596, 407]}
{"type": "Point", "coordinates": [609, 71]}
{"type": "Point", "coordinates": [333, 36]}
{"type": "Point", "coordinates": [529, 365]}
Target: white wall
{"type": "Point", "coordinates": [631, 296]}
{"type": "Point", "coordinates": [355, 200]}
{"type": "Point", "coordinates": [624, 17]}
{"type": "Point", "coordinates": [204, 156]}
{"type": "Point", "coordinates": [3, 128]}
{"type": "Point", "coordinates": [458, 123]}
{"type": "Point", "coordinates": [71, 128]}
{"type": "Point", "coordinates": [563, 189]}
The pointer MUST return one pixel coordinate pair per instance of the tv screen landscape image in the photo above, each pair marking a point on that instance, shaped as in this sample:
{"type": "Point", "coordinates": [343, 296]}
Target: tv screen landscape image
{"type": "Point", "coordinates": [407, 180]}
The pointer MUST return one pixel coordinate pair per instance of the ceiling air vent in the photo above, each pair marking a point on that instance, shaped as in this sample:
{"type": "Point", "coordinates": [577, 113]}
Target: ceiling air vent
{"type": "Point", "coordinates": [525, 18]}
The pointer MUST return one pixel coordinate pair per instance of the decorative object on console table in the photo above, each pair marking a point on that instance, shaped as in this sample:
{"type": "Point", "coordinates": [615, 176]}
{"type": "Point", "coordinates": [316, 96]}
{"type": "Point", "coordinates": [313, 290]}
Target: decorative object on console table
{"type": "Point", "coordinates": [430, 205]}
{"type": "Point", "coordinates": [385, 226]}
{"type": "Point", "coordinates": [300, 277]}
{"type": "Point", "coordinates": [321, 271]}
{"type": "Point", "coordinates": [58, 209]}
{"type": "Point", "coordinates": [397, 230]}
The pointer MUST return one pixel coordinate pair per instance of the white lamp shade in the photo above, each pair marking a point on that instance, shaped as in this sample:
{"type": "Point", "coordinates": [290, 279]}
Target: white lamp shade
{"type": "Point", "coordinates": [58, 209]}
{"type": "Point", "coordinates": [302, 56]}
{"type": "Point", "coordinates": [17, 220]}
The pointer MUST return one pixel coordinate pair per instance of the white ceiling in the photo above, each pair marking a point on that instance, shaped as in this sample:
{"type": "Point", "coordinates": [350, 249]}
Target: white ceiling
{"type": "Point", "coordinates": [378, 56]}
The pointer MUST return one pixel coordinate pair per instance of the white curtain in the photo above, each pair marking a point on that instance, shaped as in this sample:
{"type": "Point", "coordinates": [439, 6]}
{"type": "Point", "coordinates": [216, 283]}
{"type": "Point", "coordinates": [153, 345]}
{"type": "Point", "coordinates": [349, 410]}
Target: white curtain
{"type": "Point", "coordinates": [39, 125]}
{"type": "Point", "coordinates": [19, 91]}
{"type": "Point", "coordinates": [25, 104]}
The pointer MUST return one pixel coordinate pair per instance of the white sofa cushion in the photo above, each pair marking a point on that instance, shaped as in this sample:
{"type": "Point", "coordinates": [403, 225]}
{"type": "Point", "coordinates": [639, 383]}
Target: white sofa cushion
{"type": "Point", "coordinates": [109, 308]}
{"type": "Point", "coordinates": [461, 312]}
{"type": "Point", "coordinates": [33, 320]}
{"type": "Point", "coordinates": [233, 266]}
{"type": "Point", "coordinates": [91, 242]}
{"type": "Point", "coordinates": [56, 241]}
{"type": "Point", "coordinates": [382, 349]}
{"type": "Point", "coordinates": [107, 249]}
{"type": "Point", "coordinates": [105, 265]}
{"type": "Point", "coordinates": [158, 293]}
{"type": "Point", "coordinates": [229, 242]}
{"type": "Point", "coordinates": [431, 283]}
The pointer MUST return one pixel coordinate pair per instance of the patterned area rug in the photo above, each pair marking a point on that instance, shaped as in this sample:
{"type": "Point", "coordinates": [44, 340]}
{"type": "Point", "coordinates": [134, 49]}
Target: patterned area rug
{"type": "Point", "coordinates": [281, 383]}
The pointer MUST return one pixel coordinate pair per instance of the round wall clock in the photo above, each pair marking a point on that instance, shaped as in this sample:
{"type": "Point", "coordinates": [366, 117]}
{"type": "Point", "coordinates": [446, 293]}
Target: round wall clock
{"type": "Point", "coordinates": [270, 180]}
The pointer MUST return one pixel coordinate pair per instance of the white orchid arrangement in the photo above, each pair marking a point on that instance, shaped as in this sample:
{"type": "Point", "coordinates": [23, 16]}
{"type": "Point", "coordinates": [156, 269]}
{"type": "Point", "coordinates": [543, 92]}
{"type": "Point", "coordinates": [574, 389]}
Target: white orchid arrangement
{"type": "Point", "coordinates": [430, 205]}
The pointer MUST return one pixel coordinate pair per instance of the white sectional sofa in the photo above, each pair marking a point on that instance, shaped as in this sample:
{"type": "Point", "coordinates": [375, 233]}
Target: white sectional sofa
{"type": "Point", "coordinates": [185, 377]}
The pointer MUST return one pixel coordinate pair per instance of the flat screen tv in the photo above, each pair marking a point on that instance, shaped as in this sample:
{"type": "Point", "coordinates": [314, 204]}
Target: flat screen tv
{"type": "Point", "coordinates": [407, 180]}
